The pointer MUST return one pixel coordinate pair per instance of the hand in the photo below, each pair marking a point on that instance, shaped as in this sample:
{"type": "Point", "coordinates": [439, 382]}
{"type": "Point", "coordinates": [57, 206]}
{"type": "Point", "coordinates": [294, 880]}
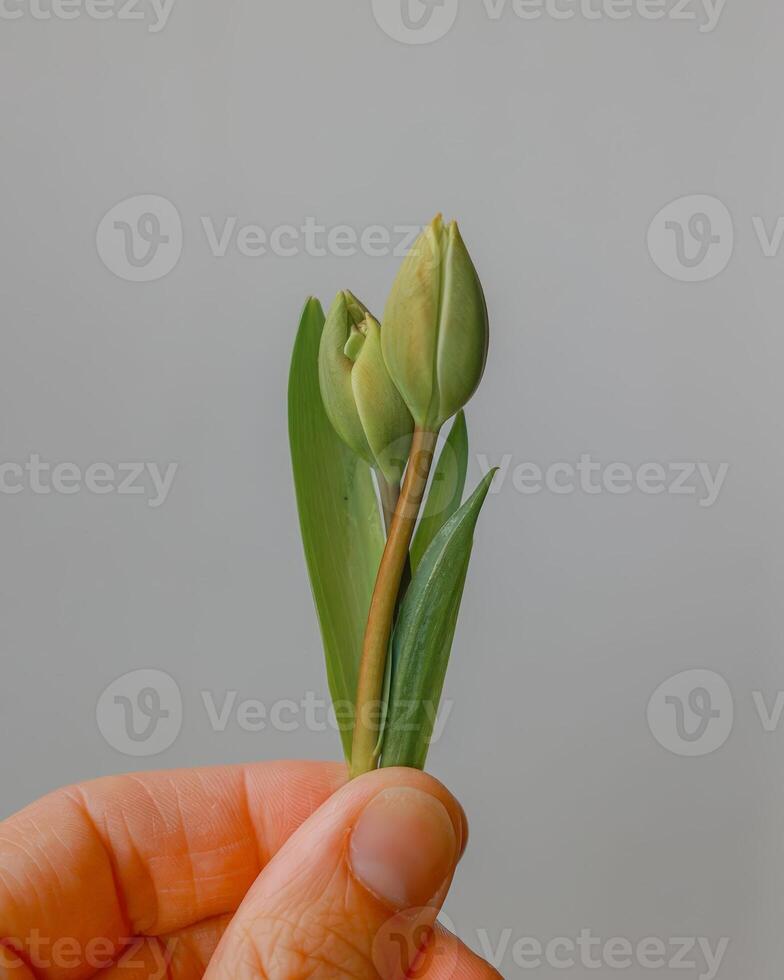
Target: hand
{"type": "Point", "coordinates": [276, 870]}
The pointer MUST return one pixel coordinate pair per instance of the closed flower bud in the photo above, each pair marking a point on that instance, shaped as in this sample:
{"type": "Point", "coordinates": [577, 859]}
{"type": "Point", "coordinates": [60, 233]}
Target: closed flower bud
{"type": "Point", "coordinates": [360, 399]}
{"type": "Point", "coordinates": [435, 327]}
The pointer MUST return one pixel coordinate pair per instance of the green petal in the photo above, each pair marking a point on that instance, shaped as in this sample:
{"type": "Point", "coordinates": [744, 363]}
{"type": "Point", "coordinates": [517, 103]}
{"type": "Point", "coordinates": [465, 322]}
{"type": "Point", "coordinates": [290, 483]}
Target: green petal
{"type": "Point", "coordinates": [409, 325]}
{"type": "Point", "coordinates": [386, 421]}
{"type": "Point", "coordinates": [462, 330]}
{"type": "Point", "coordinates": [334, 371]}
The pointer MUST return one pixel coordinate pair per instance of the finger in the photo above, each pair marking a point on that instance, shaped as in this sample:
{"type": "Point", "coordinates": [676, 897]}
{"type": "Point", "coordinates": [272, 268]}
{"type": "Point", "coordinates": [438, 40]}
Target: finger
{"type": "Point", "coordinates": [356, 890]}
{"type": "Point", "coordinates": [451, 960]}
{"type": "Point", "coordinates": [182, 955]}
{"type": "Point", "coordinates": [185, 956]}
{"type": "Point", "coordinates": [145, 854]}
{"type": "Point", "coordinates": [12, 967]}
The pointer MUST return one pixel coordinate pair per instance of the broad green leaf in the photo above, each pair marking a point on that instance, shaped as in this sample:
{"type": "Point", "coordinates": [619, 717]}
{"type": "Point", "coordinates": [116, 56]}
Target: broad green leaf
{"type": "Point", "coordinates": [446, 489]}
{"type": "Point", "coordinates": [339, 520]}
{"type": "Point", "coordinates": [423, 636]}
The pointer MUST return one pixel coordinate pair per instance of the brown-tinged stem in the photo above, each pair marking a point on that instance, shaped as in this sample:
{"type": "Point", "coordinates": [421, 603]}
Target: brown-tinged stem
{"type": "Point", "coordinates": [384, 601]}
{"type": "Point", "coordinates": [390, 494]}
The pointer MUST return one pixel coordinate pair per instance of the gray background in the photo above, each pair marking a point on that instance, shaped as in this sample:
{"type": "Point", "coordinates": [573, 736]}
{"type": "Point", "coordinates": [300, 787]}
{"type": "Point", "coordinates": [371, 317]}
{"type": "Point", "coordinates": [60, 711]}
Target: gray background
{"type": "Point", "coordinates": [554, 143]}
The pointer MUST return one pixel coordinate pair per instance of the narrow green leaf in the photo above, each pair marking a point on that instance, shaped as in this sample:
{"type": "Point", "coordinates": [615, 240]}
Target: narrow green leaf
{"type": "Point", "coordinates": [386, 693]}
{"type": "Point", "coordinates": [339, 519]}
{"type": "Point", "coordinates": [423, 636]}
{"type": "Point", "coordinates": [446, 489]}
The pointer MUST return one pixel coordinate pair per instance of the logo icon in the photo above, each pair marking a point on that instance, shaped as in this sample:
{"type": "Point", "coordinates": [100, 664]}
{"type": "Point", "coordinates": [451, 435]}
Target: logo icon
{"type": "Point", "coordinates": [692, 239]}
{"type": "Point", "coordinates": [692, 713]}
{"type": "Point", "coordinates": [140, 713]}
{"type": "Point", "coordinates": [140, 239]}
{"type": "Point", "coordinates": [415, 21]}
{"type": "Point", "coordinates": [410, 945]}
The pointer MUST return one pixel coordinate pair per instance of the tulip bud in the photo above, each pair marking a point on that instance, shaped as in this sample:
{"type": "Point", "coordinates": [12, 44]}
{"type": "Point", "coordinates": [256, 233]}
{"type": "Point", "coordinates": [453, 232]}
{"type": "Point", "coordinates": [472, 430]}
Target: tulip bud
{"type": "Point", "coordinates": [435, 327]}
{"type": "Point", "coordinates": [360, 399]}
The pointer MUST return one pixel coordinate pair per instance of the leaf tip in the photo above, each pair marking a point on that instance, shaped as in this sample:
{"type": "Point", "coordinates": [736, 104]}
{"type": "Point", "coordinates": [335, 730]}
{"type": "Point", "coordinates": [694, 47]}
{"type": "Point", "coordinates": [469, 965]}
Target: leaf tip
{"type": "Point", "coordinates": [312, 305]}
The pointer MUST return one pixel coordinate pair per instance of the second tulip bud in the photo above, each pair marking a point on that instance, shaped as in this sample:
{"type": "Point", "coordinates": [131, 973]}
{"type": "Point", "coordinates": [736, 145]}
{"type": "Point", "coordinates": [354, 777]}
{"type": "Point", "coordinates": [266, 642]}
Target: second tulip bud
{"type": "Point", "coordinates": [360, 398]}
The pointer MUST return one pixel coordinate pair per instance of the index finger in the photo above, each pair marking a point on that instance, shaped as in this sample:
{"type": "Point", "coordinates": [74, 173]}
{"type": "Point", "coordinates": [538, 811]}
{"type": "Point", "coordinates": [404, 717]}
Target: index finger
{"type": "Point", "coordinates": [148, 854]}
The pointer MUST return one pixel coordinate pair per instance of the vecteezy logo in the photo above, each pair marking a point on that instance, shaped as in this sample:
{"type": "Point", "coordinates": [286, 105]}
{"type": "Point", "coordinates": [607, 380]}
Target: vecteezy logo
{"type": "Point", "coordinates": [409, 945]}
{"type": "Point", "coordinates": [140, 713]}
{"type": "Point", "coordinates": [692, 239]}
{"type": "Point", "coordinates": [692, 713]}
{"type": "Point", "coordinates": [415, 21]}
{"type": "Point", "coordinates": [140, 239]}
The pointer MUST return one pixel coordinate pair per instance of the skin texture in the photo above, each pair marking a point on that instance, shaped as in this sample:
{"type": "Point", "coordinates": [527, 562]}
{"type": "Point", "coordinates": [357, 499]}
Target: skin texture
{"type": "Point", "coordinates": [265, 870]}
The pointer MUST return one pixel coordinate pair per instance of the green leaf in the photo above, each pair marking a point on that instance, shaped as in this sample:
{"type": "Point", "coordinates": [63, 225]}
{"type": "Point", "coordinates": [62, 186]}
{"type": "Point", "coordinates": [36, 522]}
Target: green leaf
{"type": "Point", "coordinates": [446, 489]}
{"type": "Point", "coordinates": [423, 636]}
{"type": "Point", "coordinates": [339, 520]}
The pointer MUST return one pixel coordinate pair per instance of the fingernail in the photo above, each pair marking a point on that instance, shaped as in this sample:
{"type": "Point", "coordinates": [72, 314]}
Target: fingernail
{"type": "Point", "coordinates": [404, 847]}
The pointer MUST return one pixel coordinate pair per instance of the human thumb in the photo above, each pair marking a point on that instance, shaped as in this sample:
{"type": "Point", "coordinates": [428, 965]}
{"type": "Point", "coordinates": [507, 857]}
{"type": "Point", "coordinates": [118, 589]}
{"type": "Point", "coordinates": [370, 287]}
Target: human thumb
{"type": "Point", "coordinates": [356, 890]}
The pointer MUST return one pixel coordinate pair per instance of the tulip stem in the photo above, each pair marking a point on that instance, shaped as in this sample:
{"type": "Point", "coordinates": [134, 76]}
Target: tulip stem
{"type": "Point", "coordinates": [390, 494]}
{"type": "Point", "coordinates": [364, 756]}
